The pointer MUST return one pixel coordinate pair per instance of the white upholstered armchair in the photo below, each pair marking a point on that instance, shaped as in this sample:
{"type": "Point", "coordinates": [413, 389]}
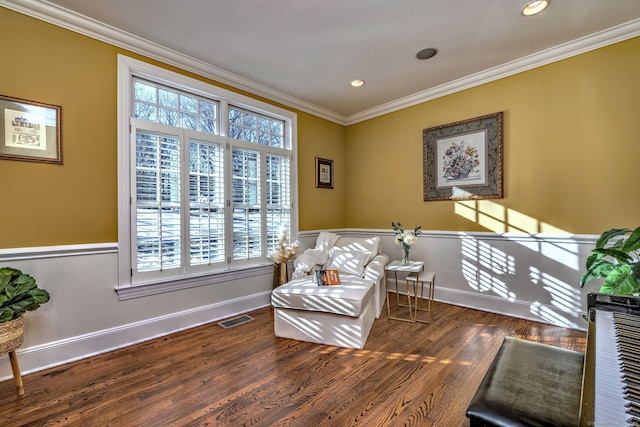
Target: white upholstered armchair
{"type": "Point", "coordinates": [336, 315]}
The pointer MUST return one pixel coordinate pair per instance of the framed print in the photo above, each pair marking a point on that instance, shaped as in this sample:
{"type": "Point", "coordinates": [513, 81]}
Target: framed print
{"type": "Point", "coordinates": [324, 173]}
{"type": "Point", "coordinates": [463, 160]}
{"type": "Point", "coordinates": [30, 131]}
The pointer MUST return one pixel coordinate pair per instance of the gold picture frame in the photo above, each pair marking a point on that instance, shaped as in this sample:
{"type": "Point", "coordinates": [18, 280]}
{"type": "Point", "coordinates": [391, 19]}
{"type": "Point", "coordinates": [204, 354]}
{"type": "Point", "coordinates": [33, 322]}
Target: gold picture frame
{"type": "Point", "coordinates": [464, 160]}
{"type": "Point", "coordinates": [31, 131]}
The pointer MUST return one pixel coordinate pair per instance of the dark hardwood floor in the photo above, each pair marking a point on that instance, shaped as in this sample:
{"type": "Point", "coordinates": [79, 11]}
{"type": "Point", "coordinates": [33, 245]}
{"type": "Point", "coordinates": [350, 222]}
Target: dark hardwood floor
{"type": "Point", "coordinates": [408, 374]}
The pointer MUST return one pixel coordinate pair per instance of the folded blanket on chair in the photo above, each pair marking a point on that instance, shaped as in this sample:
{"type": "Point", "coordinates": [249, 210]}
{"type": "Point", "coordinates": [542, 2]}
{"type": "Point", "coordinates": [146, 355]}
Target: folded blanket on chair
{"type": "Point", "coordinates": [319, 255]}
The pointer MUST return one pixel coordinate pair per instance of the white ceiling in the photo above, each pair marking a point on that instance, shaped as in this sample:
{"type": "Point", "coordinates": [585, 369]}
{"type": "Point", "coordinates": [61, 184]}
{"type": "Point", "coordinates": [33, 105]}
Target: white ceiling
{"type": "Point", "coordinates": [312, 49]}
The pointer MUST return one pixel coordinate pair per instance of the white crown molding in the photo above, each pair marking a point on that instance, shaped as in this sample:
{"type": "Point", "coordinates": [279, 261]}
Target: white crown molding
{"type": "Point", "coordinates": [576, 47]}
{"type": "Point", "coordinates": [64, 18]}
{"type": "Point", "coordinates": [81, 24]}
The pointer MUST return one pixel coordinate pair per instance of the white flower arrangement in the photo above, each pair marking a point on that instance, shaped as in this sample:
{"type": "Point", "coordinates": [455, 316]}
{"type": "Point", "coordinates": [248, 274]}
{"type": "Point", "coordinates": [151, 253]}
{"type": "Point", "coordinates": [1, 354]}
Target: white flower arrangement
{"type": "Point", "coordinates": [286, 250]}
{"type": "Point", "coordinates": [405, 238]}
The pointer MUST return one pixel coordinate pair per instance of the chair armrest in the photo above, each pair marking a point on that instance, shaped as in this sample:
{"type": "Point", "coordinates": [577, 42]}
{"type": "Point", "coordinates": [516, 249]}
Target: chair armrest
{"type": "Point", "coordinates": [375, 269]}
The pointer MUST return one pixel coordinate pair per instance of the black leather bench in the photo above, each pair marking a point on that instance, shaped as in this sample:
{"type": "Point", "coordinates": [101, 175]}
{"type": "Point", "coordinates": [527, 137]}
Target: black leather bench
{"type": "Point", "coordinates": [529, 384]}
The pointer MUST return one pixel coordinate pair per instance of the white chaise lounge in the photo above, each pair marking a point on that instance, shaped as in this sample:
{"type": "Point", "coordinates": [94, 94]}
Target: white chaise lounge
{"type": "Point", "coordinates": [339, 315]}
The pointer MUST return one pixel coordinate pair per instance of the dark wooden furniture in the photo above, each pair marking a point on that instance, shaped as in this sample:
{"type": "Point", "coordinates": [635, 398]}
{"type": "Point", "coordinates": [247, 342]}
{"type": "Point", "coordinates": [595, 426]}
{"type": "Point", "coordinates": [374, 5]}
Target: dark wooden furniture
{"type": "Point", "coordinates": [529, 384]}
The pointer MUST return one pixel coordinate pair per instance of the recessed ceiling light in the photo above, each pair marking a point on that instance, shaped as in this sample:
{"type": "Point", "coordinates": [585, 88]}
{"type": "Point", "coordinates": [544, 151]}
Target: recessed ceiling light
{"type": "Point", "coordinates": [427, 53]}
{"type": "Point", "coordinates": [357, 83]}
{"type": "Point", "coordinates": [535, 7]}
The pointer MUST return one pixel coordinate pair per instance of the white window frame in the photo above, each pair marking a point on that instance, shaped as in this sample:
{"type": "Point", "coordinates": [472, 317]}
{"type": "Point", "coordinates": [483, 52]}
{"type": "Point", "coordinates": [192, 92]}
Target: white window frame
{"type": "Point", "coordinates": [128, 68]}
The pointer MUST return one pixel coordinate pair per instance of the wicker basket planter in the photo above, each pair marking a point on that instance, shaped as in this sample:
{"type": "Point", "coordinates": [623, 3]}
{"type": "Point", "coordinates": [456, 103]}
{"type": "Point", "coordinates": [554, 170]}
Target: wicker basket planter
{"type": "Point", "coordinates": [11, 335]}
{"type": "Point", "coordinates": [19, 293]}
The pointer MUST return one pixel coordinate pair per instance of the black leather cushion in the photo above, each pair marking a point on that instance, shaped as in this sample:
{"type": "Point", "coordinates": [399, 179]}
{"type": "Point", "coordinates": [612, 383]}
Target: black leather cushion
{"type": "Point", "coordinates": [529, 384]}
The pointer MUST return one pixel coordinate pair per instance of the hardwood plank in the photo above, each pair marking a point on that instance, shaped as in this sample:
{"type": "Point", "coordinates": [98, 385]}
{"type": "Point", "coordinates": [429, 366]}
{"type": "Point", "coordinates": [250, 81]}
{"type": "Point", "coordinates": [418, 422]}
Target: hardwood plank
{"type": "Point", "coordinates": [408, 374]}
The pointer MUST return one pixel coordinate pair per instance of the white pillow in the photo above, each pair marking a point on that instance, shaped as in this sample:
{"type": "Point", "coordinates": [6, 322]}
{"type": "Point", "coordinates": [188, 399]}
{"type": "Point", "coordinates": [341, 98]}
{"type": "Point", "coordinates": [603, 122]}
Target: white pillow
{"type": "Point", "coordinates": [369, 245]}
{"type": "Point", "coordinates": [347, 262]}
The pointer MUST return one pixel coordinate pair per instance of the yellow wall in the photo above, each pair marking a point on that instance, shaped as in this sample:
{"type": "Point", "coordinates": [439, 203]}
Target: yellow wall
{"type": "Point", "coordinates": [321, 208]}
{"type": "Point", "coordinates": [76, 202]}
{"type": "Point", "coordinates": [571, 150]}
{"type": "Point", "coordinates": [46, 204]}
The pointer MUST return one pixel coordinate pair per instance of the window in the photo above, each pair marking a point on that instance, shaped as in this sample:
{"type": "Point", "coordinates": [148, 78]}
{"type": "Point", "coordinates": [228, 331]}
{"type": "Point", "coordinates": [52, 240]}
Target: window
{"type": "Point", "coordinates": [206, 178]}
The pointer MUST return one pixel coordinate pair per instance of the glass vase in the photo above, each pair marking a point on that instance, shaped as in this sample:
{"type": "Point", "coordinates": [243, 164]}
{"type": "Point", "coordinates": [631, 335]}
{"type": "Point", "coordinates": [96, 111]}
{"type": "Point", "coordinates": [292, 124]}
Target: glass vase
{"type": "Point", "coordinates": [405, 255]}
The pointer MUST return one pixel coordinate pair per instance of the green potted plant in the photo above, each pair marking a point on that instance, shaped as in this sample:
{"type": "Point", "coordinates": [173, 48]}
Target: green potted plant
{"type": "Point", "coordinates": [617, 261]}
{"type": "Point", "coordinates": [18, 293]}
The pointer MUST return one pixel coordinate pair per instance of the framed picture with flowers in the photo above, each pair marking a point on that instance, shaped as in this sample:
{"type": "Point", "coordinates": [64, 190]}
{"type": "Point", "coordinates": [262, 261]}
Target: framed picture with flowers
{"type": "Point", "coordinates": [464, 160]}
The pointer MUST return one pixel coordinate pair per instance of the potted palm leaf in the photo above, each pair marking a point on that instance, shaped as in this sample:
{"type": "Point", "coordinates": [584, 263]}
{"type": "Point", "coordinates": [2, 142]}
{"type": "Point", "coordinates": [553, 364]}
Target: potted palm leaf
{"type": "Point", "coordinates": [616, 258]}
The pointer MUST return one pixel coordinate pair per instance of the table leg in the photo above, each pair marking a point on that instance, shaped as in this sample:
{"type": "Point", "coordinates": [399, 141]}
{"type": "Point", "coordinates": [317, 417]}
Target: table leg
{"type": "Point", "coordinates": [17, 377]}
{"type": "Point", "coordinates": [410, 319]}
{"type": "Point", "coordinates": [395, 279]}
{"type": "Point", "coordinates": [430, 296]}
{"type": "Point", "coordinates": [432, 290]}
{"type": "Point", "coordinates": [386, 287]}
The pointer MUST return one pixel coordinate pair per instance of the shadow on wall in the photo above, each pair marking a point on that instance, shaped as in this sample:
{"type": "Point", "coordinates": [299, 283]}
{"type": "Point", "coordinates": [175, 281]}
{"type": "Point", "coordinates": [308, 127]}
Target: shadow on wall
{"type": "Point", "coordinates": [490, 265]}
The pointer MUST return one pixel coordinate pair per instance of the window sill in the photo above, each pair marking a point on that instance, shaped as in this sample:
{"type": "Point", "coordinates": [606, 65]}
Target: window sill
{"type": "Point", "coordinates": [148, 289]}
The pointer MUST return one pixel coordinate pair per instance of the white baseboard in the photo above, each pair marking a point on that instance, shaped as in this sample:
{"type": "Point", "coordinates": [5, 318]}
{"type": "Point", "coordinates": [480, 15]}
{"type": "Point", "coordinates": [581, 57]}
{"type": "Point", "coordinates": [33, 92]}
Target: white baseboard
{"type": "Point", "coordinates": [536, 312]}
{"type": "Point", "coordinates": [40, 357]}
{"type": "Point", "coordinates": [521, 309]}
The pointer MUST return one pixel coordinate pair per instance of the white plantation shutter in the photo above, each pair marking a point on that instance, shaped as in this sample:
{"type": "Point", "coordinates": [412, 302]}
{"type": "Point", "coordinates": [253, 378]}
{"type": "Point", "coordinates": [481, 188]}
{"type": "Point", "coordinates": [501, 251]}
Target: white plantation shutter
{"type": "Point", "coordinates": [157, 202]}
{"type": "Point", "coordinates": [206, 203]}
{"type": "Point", "coordinates": [247, 204]}
{"type": "Point", "coordinates": [193, 202]}
{"type": "Point", "coordinates": [179, 205]}
{"type": "Point", "coordinates": [278, 192]}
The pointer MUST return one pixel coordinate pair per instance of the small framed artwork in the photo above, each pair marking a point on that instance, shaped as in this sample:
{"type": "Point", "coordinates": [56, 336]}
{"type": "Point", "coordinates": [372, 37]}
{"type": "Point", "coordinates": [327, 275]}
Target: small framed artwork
{"type": "Point", "coordinates": [463, 160]}
{"type": "Point", "coordinates": [324, 173]}
{"type": "Point", "coordinates": [30, 131]}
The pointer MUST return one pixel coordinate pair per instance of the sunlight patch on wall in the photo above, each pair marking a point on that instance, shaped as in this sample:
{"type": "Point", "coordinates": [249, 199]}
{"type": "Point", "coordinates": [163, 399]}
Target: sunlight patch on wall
{"type": "Point", "coordinates": [488, 256]}
{"type": "Point", "coordinates": [549, 315]}
{"type": "Point", "coordinates": [564, 253]}
{"type": "Point", "coordinates": [492, 216]}
{"type": "Point", "coordinates": [483, 264]}
{"type": "Point", "coordinates": [466, 210]}
{"type": "Point", "coordinates": [488, 269]}
{"type": "Point", "coordinates": [521, 223]}
{"type": "Point", "coordinates": [497, 218]}
{"type": "Point", "coordinates": [470, 273]}
{"type": "Point", "coordinates": [564, 296]}
{"type": "Point", "coordinates": [550, 229]}
{"type": "Point", "coordinates": [500, 288]}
